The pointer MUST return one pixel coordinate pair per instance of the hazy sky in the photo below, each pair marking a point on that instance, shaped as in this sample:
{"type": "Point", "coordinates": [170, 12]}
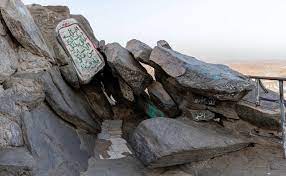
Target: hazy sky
{"type": "Point", "coordinates": [213, 30]}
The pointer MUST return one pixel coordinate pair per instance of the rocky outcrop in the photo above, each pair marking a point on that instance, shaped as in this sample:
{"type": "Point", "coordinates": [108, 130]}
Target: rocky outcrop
{"type": "Point", "coordinates": [9, 58]}
{"type": "Point", "coordinates": [140, 51]}
{"type": "Point", "coordinates": [68, 103]}
{"type": "Point", "coordinates": [211, 80]}
{"type": "Point", "coordinates": [266, 115]}
{"type": "Point", "coordinates": [127, 68]}
{"type": "Point", "coordinates": [56, 147]}
{"type": "Point", "coordinates": [22, 26]}
{"type": "Point", "coordinates": [47, 19]}
{"type": "Point", "coordinates": [187, 141]}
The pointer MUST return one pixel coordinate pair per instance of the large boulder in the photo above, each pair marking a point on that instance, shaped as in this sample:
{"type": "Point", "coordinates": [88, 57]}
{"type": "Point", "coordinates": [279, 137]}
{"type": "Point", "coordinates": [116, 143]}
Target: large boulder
{"type": "Point", "coordinates": [161, 142]}
{"type": "Point", "coordinates": [212, 80]}
{"type": "Point", "coordinates": [54, 144]}
{"type": "Point", "coordinates": [126, 67]}
{"type": "Point", "coordinates": [68, 103]}
{"type": "Point", "coordinates": [266, 115]}
{"type": "Point", "coordinates": [22, 26]}
{"type": "Point", "coordinates": [47, 20]}
{"type": "Point", "coordinates": [139, 50]}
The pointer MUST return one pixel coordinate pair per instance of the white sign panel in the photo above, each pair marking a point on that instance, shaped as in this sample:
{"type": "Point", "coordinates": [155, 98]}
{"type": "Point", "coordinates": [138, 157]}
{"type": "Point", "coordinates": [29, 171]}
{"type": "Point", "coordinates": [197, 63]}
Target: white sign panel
{"type": "Point", "coordinates": [85, 57]}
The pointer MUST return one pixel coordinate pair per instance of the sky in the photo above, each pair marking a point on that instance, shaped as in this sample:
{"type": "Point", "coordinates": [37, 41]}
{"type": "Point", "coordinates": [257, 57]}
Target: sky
{"type": "Point", "coordinates": [212, 30]}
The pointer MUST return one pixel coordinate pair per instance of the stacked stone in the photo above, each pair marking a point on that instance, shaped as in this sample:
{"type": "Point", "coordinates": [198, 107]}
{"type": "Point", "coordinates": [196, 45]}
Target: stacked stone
{"type": "Point", "coordinates": [54, 121]}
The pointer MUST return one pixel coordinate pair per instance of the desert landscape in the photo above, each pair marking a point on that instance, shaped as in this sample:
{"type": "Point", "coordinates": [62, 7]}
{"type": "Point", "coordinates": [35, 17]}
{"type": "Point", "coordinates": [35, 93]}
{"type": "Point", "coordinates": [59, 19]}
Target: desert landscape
{"type": "Point", "coordinates": [262, 68]}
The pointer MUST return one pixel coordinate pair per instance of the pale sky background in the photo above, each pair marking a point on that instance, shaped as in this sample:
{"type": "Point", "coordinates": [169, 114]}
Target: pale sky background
{"type": "Point", "coordinates": [212, 30]}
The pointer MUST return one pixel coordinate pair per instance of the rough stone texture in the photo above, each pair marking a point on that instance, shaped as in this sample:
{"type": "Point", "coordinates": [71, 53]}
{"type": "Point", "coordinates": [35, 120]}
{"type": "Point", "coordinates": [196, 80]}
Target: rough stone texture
{"type": "Point", "coordinates": [68, 103]}
{"type": "Point", "coordinates": [20, 94]}
{"type": "Point", "coordinates": [98, 101]}
{"type": "Point", "coordinates": [267, 115]}
{"type": "Point", "coordinates": [10, 133]}
{"type": "Point", "coordinates": [47, 19]}
{"type": "Point", "coordinates": [187, 141]}
{"type": "Point", "coordinates": [26, 93]}
{"type": "Point", "coordinates": [56, 147]}
{"type": "Point", "coordinates": [69, 74]}
{"type": "Point", "coordinates": [16, 162]}
{"type": "Point", "coordinates": [125, 66]}
{"type": "Point", "coordinates": [9, 59]}
{"type": "Point", "coordinates": [164, 44]}
{"type": "Point", "coordinates": [206, 79]}
{"type": "Point", "coordinates": [199, 115]}
{"type": "Point", "coordinates": [30, 63]}
{"type": "Point", "coordinates": [162, 99]}
{"type": "Point", "coordinates": [22, 26]}
{"type": "Point", "coordinates": [140, 51]}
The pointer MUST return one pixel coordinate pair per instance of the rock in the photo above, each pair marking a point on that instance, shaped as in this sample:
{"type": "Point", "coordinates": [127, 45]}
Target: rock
{"type": "Point", "coordinates": [164, 44]}
{"type": "Point", "coordinates": [266, 116]}
{"type": "Point", "coordinates": [10, 133]}
{"type": "Point", "coordinates": [26, 93]}
{"type": "Point", "coordinates": [31, 63]}
{"type": "Point", "coordinates": [22, 26]}
{"type": "Point", "coordinates": [68, 103]}
{"type": "Point", "coordinates": [161, 142]}
{"type": "Point", "coordinates": [101, 45]}
{"type": "Point", "coordinates": [162, 99]}
{"type": "Point", "coordinates": [69, 74]}
{"type": "Point", "coordinates": [126, 67]}
{"type": "Point", "coordinates": [56, 146]}
{"type": "Point", "coordinates": [190, 74]}
{"type": "Point", "coordinates": [98, 101]}
{"type": "Point", "coordinates": [47, 19]}
{"type": "Point", "coordinates": [16, 162]}
{"type": "Point", "coordinates": [19, 95]}
{"type": "Point", "coordinates": [9, 59]}
{"type": "Point", "coordinates": [140, 51]}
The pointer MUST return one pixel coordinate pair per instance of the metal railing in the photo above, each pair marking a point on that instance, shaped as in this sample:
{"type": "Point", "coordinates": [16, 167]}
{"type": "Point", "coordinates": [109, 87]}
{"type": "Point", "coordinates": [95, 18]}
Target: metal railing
{"type": "Point", "coordinates": [280, 100]}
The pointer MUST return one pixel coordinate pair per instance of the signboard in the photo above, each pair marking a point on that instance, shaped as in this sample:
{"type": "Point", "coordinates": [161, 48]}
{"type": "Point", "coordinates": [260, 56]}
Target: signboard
{"type": "Point", "coordinates": [83, 53]}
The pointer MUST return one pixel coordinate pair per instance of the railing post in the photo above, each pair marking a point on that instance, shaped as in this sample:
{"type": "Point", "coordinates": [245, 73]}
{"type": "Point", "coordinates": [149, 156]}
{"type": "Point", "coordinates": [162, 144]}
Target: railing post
{"type": "Point", "coordinates": [257, 93]}
{"type": "Point", "coordinates": [282, 109]}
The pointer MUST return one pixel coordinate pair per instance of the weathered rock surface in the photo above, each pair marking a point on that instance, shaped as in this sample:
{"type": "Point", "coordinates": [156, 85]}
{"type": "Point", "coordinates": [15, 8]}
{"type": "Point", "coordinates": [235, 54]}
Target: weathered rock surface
{"type": "Point", "coordinates": [9, 59]}
{"type": "Point", "coordinates": [162, 99]}
{"type": "Point", "coordinates": [126, 67]}
{"type": "Point", "coordinates": [266, 116]}
{"type": "Point", "coordinates": [56, 147]}
{"type": "Point", "coordinates": [68, 103]}
{"type": "Point", "coordinates": [187, 141]}
{"type": "Point", "coordinates": [47, 19]}
{"type": "Point", "coordinates": [164, 44]}
{"type": "Point", "coordinates": [16, 162]}
{"type": "Point", "coordinates": [202, 78]}
{"type": "Point", "coordinates": [139, 50]}
{"type": "Point", "coordinates": [22, 26]}
{"type": "Point", "coordinates": [10, 133]}
{"type": "Point", "coordinates": [31, 63]}
{"type": "Point", "coordinates": [69, 74]}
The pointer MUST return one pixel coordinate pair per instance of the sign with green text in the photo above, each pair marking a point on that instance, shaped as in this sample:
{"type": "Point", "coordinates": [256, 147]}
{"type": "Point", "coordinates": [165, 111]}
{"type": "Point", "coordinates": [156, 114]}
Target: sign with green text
{"type": "Point", "coordinates": [82, 51]}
